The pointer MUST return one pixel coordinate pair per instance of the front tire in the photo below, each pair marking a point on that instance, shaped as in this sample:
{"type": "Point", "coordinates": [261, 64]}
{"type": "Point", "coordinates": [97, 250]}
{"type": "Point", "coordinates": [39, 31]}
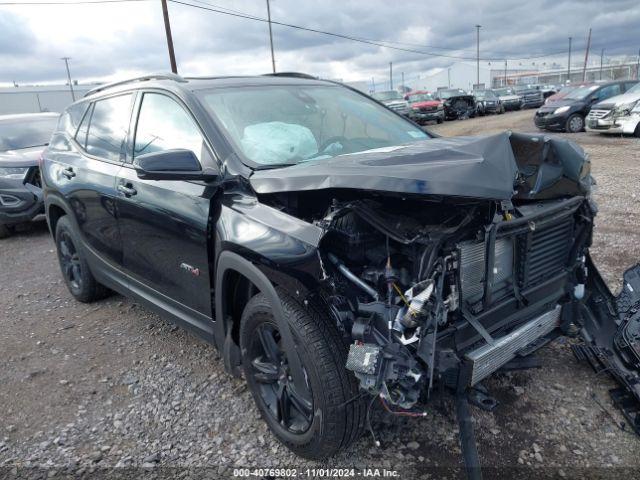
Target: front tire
{"type": "Point", "coordinates": [323, 420]}
{"type": "Point", "coordinates": [73, 265]}
{"type": "Point", "coordinates": [5, 231]}
{"type": "Point", "coordinates": [575, 123]}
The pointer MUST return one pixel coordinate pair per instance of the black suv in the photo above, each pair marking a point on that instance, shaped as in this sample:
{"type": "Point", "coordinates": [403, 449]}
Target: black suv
{"type": "Point", "coordinates": [568, 113]}
{"type": "Point", "coordinates": [329, 247]}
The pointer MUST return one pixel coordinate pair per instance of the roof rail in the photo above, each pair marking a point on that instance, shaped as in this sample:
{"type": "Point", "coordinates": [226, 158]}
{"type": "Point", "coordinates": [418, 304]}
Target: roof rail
{"type": "Point", "coordinates": [290, 74]}
{"type": "Point", "coordinates": [143, 78]}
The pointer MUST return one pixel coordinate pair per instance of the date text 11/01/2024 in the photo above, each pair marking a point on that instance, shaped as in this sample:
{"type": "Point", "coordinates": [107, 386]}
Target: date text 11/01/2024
{"type": "Point", "coordinates": [315, 473]}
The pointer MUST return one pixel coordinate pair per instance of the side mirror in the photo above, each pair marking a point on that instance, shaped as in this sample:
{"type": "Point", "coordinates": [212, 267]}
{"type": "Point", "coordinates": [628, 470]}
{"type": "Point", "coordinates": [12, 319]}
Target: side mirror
{"type": "Point", "coordinates": [176, 164]}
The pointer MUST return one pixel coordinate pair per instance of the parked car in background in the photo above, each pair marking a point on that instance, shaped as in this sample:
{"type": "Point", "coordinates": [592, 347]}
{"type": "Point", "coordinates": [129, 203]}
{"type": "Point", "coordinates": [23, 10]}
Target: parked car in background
{"type": "Point", "coordinates": [424, 108]}
{"type": "Point", "coordinates": [457, 103]}
{"type": "Point", "coordinates": [569, 113]}
{"type": "Point", "coordinates": [394, 100]}
{"type": "Point", "coordinates": [530, 97]}
{"type": "Point", "coordinates": [22, 139]}
{"type": "Point", "coordinates": [508, 98]}
{"type": "Point", "coordinates": [619, 114]}
{"type": "Point", "coordinates": [487, 102]}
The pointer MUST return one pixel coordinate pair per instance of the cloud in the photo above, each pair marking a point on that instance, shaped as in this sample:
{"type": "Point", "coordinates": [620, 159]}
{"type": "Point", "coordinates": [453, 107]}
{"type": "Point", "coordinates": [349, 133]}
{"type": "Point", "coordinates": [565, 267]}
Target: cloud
{"type": "Point", "coordinates": [113, 40]}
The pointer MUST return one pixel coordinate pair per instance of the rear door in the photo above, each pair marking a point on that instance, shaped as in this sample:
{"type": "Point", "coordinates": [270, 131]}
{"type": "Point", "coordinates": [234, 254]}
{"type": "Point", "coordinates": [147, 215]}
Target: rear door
{"type": "Point", "coordinates": [164, 223]}
{"type": "Point", "coordinates": [86, 175]}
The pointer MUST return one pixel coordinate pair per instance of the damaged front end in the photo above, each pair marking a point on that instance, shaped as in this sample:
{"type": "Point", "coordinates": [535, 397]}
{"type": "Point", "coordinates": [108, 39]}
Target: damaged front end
{"type": "Point", "coordinates": [461, 257]}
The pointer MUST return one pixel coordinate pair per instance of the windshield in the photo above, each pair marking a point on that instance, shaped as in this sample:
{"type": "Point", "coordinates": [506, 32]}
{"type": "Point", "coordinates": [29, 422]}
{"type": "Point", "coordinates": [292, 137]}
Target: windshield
{"type": "Point", "coordinates": [384, 96]}
{"type": "Point", "coordinates": [485, 94]}
{"type": "Point", "coordinates": [25, 133]}
{"type": "Point", "coordinates": [284, 124]}
{"type": "Point", "coordinates": [450, 93]}
{"type": "Point", "coordinates": [581, 92]}
{"type": "Point", "coordinates": [420, 97]}
{"type": "Point", "coordinates": [504, 91]}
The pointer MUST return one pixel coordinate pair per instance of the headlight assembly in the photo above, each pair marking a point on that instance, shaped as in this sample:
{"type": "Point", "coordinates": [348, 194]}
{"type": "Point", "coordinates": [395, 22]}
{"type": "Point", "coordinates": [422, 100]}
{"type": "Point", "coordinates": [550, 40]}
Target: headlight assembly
{"type": "Point", "coordinates": [16, 173]}
{"type": "Point", "coordinates": [625, 109]}
{"type": "Point", "coordinates": [561, 109]}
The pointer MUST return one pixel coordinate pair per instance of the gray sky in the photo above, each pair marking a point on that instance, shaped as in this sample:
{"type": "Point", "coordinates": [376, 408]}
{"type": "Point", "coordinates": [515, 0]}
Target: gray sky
{"type": "Point", "coordinates": [110, 41]}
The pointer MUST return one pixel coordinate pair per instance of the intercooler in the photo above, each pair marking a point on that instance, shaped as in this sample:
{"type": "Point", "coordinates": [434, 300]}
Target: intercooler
{"type": "Point", "coordinates": [490, 357]}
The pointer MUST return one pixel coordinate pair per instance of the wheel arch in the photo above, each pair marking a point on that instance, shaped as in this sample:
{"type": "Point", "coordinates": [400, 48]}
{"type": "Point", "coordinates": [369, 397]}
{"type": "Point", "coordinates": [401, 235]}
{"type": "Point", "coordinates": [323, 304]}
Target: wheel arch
{"type": "Point", "coordinates": [236, 280]}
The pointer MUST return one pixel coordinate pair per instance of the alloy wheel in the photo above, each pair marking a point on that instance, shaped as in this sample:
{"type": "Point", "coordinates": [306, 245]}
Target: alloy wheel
{"type": "Point", "coordinates": [70, 261]}
{"type": "Point", "coordinates": [270, 370]}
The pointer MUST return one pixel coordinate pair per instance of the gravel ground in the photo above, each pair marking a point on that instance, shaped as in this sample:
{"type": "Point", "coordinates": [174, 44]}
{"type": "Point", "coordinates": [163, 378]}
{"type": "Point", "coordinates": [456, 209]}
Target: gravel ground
{"type": "Point", "coordinates": [92, 388]}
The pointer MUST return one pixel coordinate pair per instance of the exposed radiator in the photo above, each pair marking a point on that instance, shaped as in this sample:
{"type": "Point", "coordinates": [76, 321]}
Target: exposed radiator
{"type": "Point", "coordinates": [488, 358]}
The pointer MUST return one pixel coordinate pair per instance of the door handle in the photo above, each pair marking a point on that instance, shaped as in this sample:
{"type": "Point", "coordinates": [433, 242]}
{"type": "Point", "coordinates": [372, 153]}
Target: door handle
{"type": "Point", "coordinates": [127, 189]}
{"type": "Point", "coordinates": [69, 173]}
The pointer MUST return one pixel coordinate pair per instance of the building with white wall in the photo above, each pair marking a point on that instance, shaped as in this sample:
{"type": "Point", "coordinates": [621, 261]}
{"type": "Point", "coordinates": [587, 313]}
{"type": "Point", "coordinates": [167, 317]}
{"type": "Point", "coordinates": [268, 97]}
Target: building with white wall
{"type": "Point", "coordinates": [52, 98]}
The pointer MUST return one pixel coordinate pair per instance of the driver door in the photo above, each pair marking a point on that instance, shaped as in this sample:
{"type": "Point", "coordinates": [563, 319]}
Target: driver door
{"type": "Point", "coordinates": [164, 224]}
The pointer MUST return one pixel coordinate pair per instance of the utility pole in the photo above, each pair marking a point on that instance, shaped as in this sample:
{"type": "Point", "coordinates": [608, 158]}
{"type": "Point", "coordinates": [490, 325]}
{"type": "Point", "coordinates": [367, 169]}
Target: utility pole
{"type": "Point", "coordinates": [66, 62]}
{"type": "Point", "coordinates": [273, 58]}
{"type": "Point", "coordinates": [449, 77]}
{"type": "Point", "coordinates": [505, 73]}
{"type": "Point", "coordinates": [601, 57]}
{"type": "Point", "coordinates": [403, 80]}
{"type": "Point", "coordinates": [569, 63]}
{"type": "Point", "coordinates": [586, 57]}
{"type": "Point", "coordinates": [478, 53]}
{"type": "Point", "coordinates": [167, 31]}
{"type": "Point", "coordinates": [390, 75]}
{"type": "Point", "coordinates": [638, 66]}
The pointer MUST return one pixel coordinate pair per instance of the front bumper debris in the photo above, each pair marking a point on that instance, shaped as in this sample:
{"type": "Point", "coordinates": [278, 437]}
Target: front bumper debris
{"type": "Point", "coordinates": [19, 202]}
{"type": "Point", "coordinates": [611, 330]}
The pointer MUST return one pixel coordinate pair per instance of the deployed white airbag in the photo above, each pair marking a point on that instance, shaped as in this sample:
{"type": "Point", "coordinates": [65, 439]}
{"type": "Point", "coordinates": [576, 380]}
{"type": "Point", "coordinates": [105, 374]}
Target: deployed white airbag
{"type": "Point", "coordinates": [278, 142]}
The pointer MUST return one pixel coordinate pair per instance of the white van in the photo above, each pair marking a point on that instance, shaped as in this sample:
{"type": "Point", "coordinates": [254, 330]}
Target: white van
{"type": "Point", "coordinates": [619, 114]}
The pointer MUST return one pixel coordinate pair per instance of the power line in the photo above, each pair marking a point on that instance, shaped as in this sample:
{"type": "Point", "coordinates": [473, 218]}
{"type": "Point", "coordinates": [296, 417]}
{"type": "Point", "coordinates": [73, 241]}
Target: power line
{"type": "Point", "coordinates": [378, 43]}
{"type": "Point", "coordinates": [496, 53]}
{"type": "Point", "coordinates": [74, 2]}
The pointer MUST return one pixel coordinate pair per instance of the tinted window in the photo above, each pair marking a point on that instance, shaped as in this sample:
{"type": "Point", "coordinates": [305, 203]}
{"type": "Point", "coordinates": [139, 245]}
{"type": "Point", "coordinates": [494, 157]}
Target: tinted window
{"type": "Point", "coordinates": [165, 125]}
{"type": "Point", "coordinates": [26, 132]}
{"type": "Point", "coordinates": [608, 91]}
{"type": "Point", "coordinates": [108, 127]}
{"type": "Point", "coordinates": [71, 118]}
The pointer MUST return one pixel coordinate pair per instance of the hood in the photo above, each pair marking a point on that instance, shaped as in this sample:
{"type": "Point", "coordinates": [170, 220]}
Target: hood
{"type": "Point", "coordinates": [508, 97]}
{"type": "Point", "coordinates": [426, 103]}
{"type": "Point", "coordinates": [618, 100]}
{"type": "Point", "coordinates": [499, 167]}
{"type": "Point", "coordinates": [25, 157]}
{"type": "Point", "coordinates": [395, 102]}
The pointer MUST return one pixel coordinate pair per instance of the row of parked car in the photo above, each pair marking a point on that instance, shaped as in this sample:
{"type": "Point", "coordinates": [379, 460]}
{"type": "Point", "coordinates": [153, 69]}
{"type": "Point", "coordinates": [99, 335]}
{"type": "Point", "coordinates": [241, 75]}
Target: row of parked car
{"type": "Point", "coordinates": [607, 107]}
{"type": "Point", "coordinates": [451, 104]}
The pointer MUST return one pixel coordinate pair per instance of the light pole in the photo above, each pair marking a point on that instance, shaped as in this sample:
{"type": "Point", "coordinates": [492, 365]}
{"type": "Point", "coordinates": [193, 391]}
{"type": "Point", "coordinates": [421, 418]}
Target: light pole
{"type": "Point", "coordinates": [273, 58]}
{"type": "Point", "coordinates": [66, 62]}
{"type": "Point", "coordinates": [505, 73]}
{"type": "Point", "coordinates": [390, 75]}
{"type": "Point", "coordinates": [569, 63]}
{"type": "Point", "coordinates": [478, 53]}
{"type": "Point", "coordinates": [601, 57]}
{"type": "Point", "coordinates": [167, 31]}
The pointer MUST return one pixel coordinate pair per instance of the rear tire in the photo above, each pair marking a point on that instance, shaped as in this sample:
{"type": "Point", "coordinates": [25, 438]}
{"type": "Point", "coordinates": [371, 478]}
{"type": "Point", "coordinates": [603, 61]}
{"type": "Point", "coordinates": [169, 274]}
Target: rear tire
{"type": "Point", "coordinates": [73, 265]}
{"type": "Point", "coordinates": [575, 123]}
{"type": "Point", "coordinates": [332, 420]}
{"type": "Point", "coordinates": [5, 231]}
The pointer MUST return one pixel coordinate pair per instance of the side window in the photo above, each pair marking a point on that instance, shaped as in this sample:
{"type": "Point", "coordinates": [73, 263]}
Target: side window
{"type": "Point", "coordinates": [108, 127]}
{"type": "Point", "coordinates": [163, 125]}
{"type": "Point", "coordinates": [608, 91]}
{"type": "Point", "coordinates": [81, 135]}
{"type": "Point", "coordinates": [69, 120]}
